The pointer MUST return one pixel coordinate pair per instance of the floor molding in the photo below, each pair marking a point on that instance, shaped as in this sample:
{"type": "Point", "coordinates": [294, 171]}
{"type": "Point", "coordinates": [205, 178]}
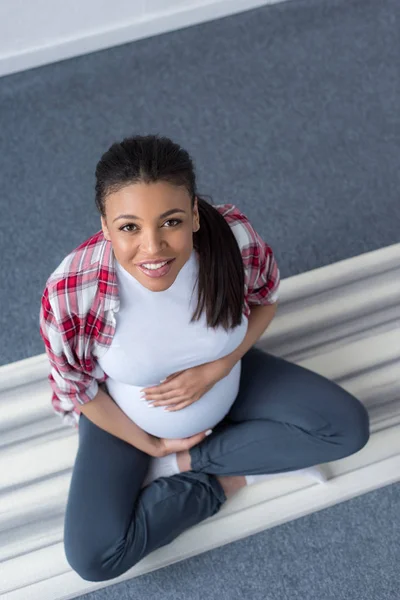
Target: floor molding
{"type": "Point", "coordinates": [342, 321]}
{"type": "Point", "coordinates": [141, 26]}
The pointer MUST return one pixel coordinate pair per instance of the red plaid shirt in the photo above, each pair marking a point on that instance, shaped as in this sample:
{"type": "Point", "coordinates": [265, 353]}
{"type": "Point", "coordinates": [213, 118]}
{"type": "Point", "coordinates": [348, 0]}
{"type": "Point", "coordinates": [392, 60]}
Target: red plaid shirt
{"type": "Point", "coordinates": [77, 320]}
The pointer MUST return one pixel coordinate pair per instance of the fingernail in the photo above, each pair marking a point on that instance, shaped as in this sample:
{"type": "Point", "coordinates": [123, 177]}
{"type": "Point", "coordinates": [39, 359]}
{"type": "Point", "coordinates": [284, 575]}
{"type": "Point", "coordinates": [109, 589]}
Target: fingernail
{"type": "Point", "coordinates": [162, 380]}
{"type": "Point", "coordinates": [209, 431]}
{"type": "Point", "coordinates": [150, 405]}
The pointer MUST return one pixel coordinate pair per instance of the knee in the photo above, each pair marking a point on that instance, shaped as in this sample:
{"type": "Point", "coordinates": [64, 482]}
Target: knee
{"type": "Point", "coordinates": [88, 569]}
{"type": "Point", "coordinates": [357, 427]}
{"type": "Point", "coordinates": [95, 566]}
{"type": "Point", "coordinates": [86, 564]}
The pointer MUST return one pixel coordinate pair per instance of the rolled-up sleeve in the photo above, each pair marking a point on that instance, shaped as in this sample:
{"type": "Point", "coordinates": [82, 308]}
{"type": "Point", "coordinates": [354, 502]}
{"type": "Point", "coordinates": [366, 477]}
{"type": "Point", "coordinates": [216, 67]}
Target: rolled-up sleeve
{"type": "Point", "coordinates": [264, 275]}
{"type": "Point", "coordinates": [71, 382]}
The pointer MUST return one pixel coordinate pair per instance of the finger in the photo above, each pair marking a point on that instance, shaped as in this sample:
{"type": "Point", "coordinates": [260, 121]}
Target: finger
{"type": "Point", "coordinates": [163, 388]}
{"type": "Point", "coordinates": [174, 407]}
{"type": "Point", "coordinates": [161, 397]}
{"type": "Point", "coordinates": [166, 404]}
{"type": "Point", "coordinates": [180, 444]}
{"type": "Point", "coordinates": [172, 376]}
{"type": "Point", "coordinates": [195, 439]}
{"type": "Point", "coordinates": [163, 384]}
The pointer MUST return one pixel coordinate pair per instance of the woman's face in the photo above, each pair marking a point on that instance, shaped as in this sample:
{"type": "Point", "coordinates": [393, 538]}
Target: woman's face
{"type": "Point", "coordinates": [140, 231]}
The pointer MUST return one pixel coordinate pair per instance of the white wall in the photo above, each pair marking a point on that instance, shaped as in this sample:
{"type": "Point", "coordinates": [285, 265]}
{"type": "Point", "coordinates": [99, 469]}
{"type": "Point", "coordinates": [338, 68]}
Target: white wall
{"type": "Point", "coordinates": [37, 32]}
{"type": "Point", "coordinates": [29, 24]}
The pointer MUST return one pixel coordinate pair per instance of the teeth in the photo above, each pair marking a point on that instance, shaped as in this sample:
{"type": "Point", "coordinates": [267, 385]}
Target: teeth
{"type": "Point", "coordinates": [154, 266]}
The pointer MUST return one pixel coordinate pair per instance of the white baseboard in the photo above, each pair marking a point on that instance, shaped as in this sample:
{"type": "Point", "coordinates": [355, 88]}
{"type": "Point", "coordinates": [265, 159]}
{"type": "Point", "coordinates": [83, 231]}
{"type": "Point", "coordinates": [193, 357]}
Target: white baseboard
{"type": "Point", "coordinates": [342, 321]}
{"type": "Point", "coordinates": [146, 25]}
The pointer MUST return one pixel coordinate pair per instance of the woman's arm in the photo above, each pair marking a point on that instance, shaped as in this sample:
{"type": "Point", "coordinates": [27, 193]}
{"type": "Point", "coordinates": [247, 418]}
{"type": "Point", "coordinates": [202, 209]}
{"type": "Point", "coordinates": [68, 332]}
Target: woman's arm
{"type": "Point", "coordinates": [107, 415]}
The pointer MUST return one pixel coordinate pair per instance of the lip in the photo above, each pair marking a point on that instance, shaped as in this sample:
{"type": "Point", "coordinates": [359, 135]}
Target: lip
{"type": "Point", "coordinates": [158, 273]}
{"type": "Point", "coordinates": [152, 262]}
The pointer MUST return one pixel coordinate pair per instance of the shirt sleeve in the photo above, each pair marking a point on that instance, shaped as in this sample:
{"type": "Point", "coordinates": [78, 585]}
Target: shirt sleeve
{"type": "Point", "coordinates": [264, 275]}
{"type": "Point", "coordinates": [70, 380]}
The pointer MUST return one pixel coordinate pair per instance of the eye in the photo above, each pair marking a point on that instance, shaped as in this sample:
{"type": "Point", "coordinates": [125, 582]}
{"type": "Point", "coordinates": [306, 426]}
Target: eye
{"type": "Point", "coordinates": [175, 221]}
{"type": "Point", "coordinates": [127, 225]}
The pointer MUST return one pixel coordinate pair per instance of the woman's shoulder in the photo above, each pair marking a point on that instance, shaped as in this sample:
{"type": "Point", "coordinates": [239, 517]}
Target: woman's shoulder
{"type": "Point", "coordinates": [77, 275]}
{"type": "Point", "coordinates": [84, 258]}
{"type": "Point", "coordinates": [229, 211]}
{"type": "Point", "coordinates": [240, 224]}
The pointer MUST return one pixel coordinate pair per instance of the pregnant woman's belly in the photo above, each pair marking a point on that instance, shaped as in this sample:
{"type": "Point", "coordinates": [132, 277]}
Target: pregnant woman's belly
{"type": "Point", "coordinates": [209, 410]}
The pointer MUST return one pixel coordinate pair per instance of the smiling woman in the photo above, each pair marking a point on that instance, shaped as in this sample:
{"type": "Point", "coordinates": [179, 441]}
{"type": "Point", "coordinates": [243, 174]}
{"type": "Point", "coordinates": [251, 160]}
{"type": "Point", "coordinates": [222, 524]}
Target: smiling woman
{"type": "Point", "coordinates": [173, 288]}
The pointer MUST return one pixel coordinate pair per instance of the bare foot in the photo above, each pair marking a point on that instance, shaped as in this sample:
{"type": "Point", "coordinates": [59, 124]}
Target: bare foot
{"type": "Point", "coordinates": [184, 461]}
{"type": "Point", "coordinates": [231, 483]}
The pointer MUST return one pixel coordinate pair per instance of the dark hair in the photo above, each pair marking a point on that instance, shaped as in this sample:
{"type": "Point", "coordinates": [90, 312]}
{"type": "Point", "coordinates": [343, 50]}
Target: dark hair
{"type": "Point", "coordinates": [151, 158]}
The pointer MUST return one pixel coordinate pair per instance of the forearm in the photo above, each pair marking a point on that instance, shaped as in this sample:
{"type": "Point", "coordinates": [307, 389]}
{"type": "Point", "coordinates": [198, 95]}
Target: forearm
{"type": "Point", "coordinates": [259, 319]}
{"type": "Point", "coordinates": [107, 415]}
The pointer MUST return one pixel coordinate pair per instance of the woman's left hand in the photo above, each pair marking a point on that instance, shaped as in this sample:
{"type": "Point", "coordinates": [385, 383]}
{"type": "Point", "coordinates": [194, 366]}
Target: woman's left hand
{"type": "Point", "coordinates": [185, 387]}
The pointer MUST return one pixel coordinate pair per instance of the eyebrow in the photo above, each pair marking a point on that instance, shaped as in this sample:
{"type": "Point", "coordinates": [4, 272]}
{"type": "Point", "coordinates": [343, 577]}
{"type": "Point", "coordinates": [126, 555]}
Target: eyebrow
{"type": "Point", "coordinates": [165, 214]}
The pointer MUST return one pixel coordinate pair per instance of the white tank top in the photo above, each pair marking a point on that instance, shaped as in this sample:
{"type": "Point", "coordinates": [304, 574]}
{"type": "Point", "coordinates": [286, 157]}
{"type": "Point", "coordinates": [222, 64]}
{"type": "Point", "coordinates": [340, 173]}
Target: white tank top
{"type": "Point", "coordinates": [153, 339]}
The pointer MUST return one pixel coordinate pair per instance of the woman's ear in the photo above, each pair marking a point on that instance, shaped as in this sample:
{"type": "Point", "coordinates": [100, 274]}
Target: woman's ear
{"type": "Point", "coordinates": [105, 229]}
{"type": "Point", "coordinates": [196, 216]}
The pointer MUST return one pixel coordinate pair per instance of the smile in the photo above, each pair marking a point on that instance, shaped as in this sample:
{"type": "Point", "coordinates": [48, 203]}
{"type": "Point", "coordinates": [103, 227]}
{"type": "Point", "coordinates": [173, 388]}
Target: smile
{"type": "Point", "coordinates": [156, 269]}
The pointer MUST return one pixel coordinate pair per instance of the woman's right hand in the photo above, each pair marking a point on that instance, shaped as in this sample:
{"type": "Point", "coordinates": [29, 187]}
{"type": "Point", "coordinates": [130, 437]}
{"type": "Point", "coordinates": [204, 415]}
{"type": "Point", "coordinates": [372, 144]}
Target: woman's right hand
{"type": "Point", "coordinates": [164, 446]}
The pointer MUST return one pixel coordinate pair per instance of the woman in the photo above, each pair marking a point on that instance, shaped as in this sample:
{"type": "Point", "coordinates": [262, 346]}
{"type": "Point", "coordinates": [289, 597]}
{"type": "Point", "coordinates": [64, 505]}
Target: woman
{"type": "Point", "coordinates": [149, 326]}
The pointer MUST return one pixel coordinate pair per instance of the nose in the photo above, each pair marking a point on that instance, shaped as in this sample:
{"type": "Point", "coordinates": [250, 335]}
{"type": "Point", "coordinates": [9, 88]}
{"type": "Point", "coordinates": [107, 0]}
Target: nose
{"type": "Point", "coordinates": [152, 242]}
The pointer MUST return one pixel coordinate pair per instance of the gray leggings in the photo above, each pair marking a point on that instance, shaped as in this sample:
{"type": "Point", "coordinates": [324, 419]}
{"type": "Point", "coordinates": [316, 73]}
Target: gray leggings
{"type": "Point", "coordinates": [284, 418]}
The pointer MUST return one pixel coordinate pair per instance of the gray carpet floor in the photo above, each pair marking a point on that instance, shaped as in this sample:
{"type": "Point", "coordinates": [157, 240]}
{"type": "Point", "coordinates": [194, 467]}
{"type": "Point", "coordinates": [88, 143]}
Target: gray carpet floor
{"type": "Point", "coordinates": [289, 111]}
